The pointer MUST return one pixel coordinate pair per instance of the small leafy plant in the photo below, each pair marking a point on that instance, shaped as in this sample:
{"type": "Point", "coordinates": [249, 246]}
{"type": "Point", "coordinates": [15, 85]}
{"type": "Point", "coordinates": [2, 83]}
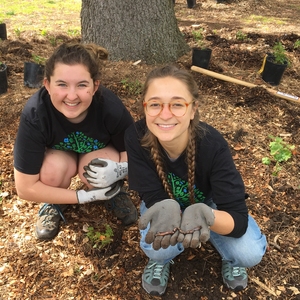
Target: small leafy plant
{"type": "Point", "coordinates": [100, 239]}
{"type": "Point", "coordinates": [18, 32]}
{"type": "Point", "coordinates": [134, 87]}
{"type": "Point", "coordinates": [44, 32]}
{"type": "Point", "coordinates": [279, 53]}
{"type": "Point", "coordinates": [297, 44]}
{"type": "Point", "coordinates": [73, 32]}
{"type": "Point", "coordinates": [241, 36]}
{"type": "Point", "coordinates": [38, 59]}
{"type": "Point", "coordinates": [199, 38]}
{"type": "Point", "coordinates": [280, 151]}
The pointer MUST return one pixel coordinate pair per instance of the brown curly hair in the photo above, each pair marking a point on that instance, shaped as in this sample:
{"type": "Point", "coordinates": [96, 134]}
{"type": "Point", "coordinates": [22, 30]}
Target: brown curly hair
{"type": "Point", "coordinates": [89, 55]}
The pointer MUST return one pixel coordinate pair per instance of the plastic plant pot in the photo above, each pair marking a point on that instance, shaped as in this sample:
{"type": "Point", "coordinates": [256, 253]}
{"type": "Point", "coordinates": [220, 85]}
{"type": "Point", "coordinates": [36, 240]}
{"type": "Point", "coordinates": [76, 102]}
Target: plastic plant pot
{"type": "Point", "coordinates": [273, 72]}
{"type": "Point", "coordinates": [33, 74]}
{"type": "Point", "coordinates": [201, 57]}
{"type": "Point", "coordinates": [3, 79]}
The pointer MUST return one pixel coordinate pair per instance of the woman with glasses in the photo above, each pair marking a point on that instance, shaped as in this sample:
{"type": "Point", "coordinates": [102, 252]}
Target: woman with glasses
{"type": "Point", "coordinates": [190, 189]}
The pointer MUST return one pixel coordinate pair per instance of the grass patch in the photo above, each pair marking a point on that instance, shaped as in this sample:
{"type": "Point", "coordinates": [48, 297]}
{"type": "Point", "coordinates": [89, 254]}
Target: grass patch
{"type": "Point", "coordinates": [266, 20]}
{"type": "Point", "coordinates": [41, 16]}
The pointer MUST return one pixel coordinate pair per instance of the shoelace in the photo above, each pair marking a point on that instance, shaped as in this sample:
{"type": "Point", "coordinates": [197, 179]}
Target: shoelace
{"type": "Point", "coordinates": [236, 271]}
{"type": "Point", "coordinates": [55, 206]}
{"type": "Point", "coordinates": [158, 268]}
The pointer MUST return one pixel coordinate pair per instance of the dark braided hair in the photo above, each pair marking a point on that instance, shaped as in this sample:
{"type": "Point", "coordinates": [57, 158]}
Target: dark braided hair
{"type": "Point", "coordinates": [151, 142]}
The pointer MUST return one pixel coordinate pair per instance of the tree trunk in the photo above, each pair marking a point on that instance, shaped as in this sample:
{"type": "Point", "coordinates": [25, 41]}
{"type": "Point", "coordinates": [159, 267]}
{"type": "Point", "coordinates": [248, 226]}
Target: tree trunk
{"type": "Point", "coordinates": [133, 29]}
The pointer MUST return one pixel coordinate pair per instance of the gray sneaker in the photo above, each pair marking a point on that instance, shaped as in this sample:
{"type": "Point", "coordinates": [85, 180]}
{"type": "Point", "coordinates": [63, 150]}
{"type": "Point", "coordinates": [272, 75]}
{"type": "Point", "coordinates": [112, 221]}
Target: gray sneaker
{"type": "Point", "coordinates": [155, 277]}
{"type": "Point", "coordinates": [47, 225]}
{"type": "Point", "coordinates": [235, 278]}
{"type": "Point", "coordinates": [122, 207]}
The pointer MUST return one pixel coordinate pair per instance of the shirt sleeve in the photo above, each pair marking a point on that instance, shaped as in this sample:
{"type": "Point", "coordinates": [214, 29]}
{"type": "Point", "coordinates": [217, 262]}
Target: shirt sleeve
{"type": "Point", "coordinates": [117, 118]}
{"type": "Point", "coordinates": [226, 184]}
{"type": "Point", "coordinates": [29, 148]}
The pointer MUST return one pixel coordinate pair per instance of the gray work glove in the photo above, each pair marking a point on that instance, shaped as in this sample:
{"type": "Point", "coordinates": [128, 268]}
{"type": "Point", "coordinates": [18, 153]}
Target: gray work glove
{"type": "Point", "coordinates": [99, 194]}
{"type": "Point", "coordinates": [102, 172]}
{"type": "Point", "coordinates": [164, 217]}
{"type": "Point", "coordinates": [195, 223]}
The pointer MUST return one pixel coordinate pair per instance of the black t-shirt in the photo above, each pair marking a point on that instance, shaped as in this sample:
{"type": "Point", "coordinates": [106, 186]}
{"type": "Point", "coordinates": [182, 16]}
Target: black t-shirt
{"type": "Point", "coordinates": [216, 176]}
{"type": "Point", "coordinates": [43, 126]}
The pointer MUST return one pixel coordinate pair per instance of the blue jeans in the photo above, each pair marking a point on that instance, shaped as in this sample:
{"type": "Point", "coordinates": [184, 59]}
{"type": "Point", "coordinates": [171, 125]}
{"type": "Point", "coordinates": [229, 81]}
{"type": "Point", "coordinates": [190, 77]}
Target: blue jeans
{"type": "Point", "coordinates": [246, 251]}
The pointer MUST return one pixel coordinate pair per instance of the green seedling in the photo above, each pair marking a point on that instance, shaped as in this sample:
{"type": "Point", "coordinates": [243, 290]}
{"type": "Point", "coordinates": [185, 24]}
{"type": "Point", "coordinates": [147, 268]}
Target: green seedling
{"type": "Point", "coordinates": [133, 87]}
{"type": "Point", "coordinates": [18, 32]}
{"type": "Point", "coordinates": [297, 44]}
{"type": "Point", "coordinates": [280, 152]}
{"type": "Point", "coordinates": [38, 59]}
{"type": "Point", "coordinates": [10, 13]}
{"type": "Point", "coordinates": [77, 270]}
{"type": "Point", "coordinates": [199, 38]}
{"type": "Point", "coordinates": [279, 53]}
{"type": "Point", "coordinates": [241, 36]}
{"type": "Point", "coordinates": [100, 239]}
{"type": "Point", "coordinates": [73, 32]}
{"type": "Point", "coordinates": [44, 32]}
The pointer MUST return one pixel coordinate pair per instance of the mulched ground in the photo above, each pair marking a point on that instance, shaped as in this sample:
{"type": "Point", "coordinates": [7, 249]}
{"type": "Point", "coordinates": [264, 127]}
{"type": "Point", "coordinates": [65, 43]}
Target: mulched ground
{"type": "Point", "coordinates": [70, 268]}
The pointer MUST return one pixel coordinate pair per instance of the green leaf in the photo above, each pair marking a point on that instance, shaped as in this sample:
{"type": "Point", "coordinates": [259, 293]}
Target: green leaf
{"type": "Point", "coordinates": [266, 160]}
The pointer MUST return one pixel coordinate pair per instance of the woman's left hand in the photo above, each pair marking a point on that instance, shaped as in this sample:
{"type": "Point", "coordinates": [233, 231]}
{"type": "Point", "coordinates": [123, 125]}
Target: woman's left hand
{"type": "Point", "coordinates": [195, 223]}
{"type": "Point", "coordinates": [101, 173]}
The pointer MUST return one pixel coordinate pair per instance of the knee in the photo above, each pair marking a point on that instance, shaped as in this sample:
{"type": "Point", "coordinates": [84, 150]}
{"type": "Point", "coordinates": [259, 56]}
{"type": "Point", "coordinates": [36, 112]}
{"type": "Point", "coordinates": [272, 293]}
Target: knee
{"type": "Point", "coordinates": [58, 175]}
{"type": "Point", "coordinates": [252, 254]}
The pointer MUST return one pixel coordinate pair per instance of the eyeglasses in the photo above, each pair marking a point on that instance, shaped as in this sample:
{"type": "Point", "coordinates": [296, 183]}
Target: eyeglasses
{"type": "Point", "coordinates": [177, 107]}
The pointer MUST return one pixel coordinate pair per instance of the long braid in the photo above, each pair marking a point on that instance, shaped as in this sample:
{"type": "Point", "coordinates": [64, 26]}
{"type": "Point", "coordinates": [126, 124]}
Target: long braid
{"type": "Point", "coordinates": [151, 142]}
{"type": "Point", "coordinates": [190, 158]}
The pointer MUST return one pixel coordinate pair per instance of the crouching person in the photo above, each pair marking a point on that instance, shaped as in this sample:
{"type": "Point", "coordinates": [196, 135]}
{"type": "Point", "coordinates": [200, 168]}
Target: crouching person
{"type": "Point", "coordinates": [72, 125]}
{"type": "Point", "coordinates": [190, 189]}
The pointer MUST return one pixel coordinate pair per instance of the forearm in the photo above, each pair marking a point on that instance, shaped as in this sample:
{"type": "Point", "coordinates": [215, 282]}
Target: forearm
{"type": "Point", "coordinates": [223, 224]}
{"type": "Point", "coordinates": [42, 193]}
{"type": "Point", "coordinates": [123, 156]}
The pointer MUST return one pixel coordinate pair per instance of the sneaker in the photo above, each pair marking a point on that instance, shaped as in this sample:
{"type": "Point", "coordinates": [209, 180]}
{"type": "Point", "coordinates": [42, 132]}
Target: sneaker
{"type": "Point", "coordinates": [47, 225]}
{"type": "Point", "coordinates": [122, 207]}
{"type": "Point", "coordinates": [235, 278]}
{"type": "Point", "coordinates": [155, 277]}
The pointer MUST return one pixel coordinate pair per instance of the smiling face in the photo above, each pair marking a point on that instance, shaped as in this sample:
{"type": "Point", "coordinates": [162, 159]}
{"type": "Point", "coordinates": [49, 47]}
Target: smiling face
{"type": "Point", "coordinates": [71, 90]}
{"type": "Point", "coordinates": [171, 131]}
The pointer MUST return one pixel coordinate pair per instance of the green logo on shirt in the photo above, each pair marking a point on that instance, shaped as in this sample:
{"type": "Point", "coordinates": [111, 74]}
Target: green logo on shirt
{"type": "Point", "coordinates": [180, 191]}
{"type": "Point", "coordinates": [80, 143]}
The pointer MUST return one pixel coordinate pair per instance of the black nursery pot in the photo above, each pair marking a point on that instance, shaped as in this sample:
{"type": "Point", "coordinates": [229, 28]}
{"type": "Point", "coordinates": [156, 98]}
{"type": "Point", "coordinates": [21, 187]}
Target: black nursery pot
{"type": "Point", "coordinates": [191, 3]}
{"type": "Point", "coordinates": [273, 72]}
{"type": "Point", "coordinates": [201, 57]}
{"type": "Point", "coordinates": [3, 32]}
{"type": "Point", "coordinates": [3, 79]}
{"type": "Point", "coordinates": [33, 74]}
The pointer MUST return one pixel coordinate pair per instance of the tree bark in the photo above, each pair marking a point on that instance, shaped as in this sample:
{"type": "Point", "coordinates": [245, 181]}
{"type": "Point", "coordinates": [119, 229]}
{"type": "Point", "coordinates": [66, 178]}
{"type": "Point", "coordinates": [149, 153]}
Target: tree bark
{"type": "Point", "coordinates": [133, 29]}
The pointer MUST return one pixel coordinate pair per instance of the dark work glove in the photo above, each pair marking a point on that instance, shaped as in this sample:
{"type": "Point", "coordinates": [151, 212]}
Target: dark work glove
{"type": "Point", "coordinates": [164, 218]}
{"type": "Point", "coordinates": [195, 223]}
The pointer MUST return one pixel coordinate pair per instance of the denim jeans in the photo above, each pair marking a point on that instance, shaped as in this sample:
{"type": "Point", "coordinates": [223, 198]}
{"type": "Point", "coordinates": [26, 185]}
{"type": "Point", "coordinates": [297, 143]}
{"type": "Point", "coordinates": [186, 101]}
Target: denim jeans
{"type": "Point", "coordinates": [246, 251]}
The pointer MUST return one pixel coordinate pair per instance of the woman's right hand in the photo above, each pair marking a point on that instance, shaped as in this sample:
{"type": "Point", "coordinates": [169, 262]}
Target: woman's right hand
{"type": "Point", "coordinates": [164, 218]}
{"type": "Point", "coordinates": [99, 194]}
